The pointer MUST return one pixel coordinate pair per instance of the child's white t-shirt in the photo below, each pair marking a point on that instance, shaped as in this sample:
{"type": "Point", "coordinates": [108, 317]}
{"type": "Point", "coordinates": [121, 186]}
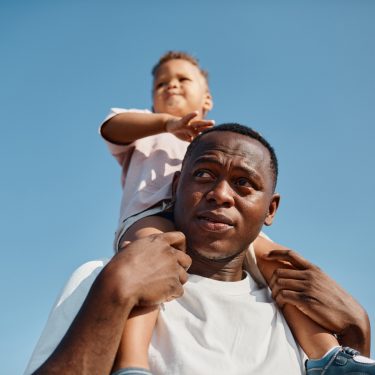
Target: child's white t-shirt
{"type": "Point", "coordinates": [148, 165]}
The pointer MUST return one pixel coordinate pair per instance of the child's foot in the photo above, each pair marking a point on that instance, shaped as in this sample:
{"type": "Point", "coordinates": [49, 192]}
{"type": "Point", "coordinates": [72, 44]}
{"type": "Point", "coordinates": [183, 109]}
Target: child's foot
{"type": "Point", "coordinates": [341, 361]}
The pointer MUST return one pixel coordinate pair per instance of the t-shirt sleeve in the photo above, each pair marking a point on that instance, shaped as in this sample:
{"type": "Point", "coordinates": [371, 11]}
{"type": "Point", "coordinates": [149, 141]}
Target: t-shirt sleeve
{"type": "Point", "coordinates": [118, 151]}
{"type": "Point", "coordinates": [64, 311]}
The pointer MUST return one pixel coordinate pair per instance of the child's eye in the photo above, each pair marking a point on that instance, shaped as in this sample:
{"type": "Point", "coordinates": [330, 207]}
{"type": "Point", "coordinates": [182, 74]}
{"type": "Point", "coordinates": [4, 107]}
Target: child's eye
{"type": "Point", "coordinates": [184, 79]}
{"type": "Point", "coordinates": [160, 84]}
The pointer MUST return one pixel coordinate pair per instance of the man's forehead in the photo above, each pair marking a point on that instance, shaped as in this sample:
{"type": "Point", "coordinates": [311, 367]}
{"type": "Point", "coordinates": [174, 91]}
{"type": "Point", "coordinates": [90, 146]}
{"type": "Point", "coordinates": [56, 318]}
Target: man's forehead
{"type": "Point", "coordinates": [230, 145]}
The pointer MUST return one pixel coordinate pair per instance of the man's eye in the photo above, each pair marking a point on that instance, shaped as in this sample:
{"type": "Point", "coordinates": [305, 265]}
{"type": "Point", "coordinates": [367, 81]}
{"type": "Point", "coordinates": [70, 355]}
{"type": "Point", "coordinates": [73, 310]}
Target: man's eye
{"type": "Point", "coordinates": [202, 174]}
{"type": "Point", "coordinates": [243, 182]}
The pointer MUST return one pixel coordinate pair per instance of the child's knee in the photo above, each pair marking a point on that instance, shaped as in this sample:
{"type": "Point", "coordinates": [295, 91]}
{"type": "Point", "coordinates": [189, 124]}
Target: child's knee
{"type": "Point", "coordinates": [147, 226]}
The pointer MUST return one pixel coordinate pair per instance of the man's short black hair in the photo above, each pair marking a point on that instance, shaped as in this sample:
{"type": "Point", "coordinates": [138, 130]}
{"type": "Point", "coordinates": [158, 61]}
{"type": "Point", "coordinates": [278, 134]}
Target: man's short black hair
{"type": "Point", "coordinates": [244, 130]}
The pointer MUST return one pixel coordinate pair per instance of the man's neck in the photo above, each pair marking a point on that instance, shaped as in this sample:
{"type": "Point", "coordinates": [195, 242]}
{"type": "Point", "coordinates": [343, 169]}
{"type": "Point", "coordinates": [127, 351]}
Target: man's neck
{"type": "Point", "coordinates": [229, 269]}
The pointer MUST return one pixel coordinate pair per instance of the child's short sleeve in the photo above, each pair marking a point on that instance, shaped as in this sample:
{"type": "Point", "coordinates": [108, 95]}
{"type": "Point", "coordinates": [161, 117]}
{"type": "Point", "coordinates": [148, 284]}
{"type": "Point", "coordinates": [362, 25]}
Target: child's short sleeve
{"type": "Point", "coordinates": [118, 151]}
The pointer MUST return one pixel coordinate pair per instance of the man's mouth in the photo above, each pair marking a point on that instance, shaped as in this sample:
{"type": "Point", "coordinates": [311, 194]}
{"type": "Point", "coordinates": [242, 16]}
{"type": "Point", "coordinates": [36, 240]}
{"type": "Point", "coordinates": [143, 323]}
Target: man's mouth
{"type": "Point", "coordinates": [214, 222]}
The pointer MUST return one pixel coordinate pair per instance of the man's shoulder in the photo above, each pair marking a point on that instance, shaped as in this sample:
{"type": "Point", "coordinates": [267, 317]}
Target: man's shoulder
{"type": "Point", "coordinates": [88, 268]}
{"type": "Point", "coordinates": [83, 277]}
{"type": "Point", "coordinates": [65, 309]}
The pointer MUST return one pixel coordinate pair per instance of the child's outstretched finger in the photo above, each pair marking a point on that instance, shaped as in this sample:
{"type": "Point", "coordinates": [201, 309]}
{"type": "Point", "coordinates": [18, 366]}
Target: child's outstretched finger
{"type": "Point", "coordinates": [204, 123]}
{"type": "Point", "coordinates": [201, 125]}
{"type": "Point", "coordinates": [187, 118]}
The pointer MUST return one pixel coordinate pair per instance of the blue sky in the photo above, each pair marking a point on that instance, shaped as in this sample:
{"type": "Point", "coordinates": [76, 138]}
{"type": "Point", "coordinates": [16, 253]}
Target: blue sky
{"type": "Point", "coordinates": [300, 72]}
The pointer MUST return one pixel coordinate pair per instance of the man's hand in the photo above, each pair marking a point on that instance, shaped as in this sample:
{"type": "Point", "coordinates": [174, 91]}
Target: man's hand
{"type": "Point", "coordinates": [314, 293]}
{"type": "Point", "coordinates": [150, 270]}
{"type": "Point", "coordinates": [185, 128]}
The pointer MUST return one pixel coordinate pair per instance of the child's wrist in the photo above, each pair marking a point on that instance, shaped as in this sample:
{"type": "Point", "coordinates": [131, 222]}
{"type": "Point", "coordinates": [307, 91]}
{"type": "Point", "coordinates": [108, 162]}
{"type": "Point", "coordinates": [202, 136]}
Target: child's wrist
{"type": "Point", "coordinates": [166, 120]}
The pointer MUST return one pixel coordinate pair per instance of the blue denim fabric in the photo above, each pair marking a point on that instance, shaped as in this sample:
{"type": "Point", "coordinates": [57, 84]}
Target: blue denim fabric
{"type": "Point", "coordinates": [132, 371]}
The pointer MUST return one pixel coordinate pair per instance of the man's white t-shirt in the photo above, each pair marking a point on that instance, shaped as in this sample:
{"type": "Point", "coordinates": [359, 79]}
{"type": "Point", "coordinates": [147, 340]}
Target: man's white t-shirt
{"type": "Point", "coordinates": [223, 328]}
{"type": "Point", "coordinates": [214, 328]}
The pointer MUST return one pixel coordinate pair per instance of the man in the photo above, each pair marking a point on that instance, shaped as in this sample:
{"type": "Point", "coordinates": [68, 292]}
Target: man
{"type": "Point", "coordinates": [224, 323]}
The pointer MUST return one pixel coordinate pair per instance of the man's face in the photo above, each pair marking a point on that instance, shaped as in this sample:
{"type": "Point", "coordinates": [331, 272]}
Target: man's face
{"type": "Point", "coordinates": [179, 88]}
{"type": "Point", "coordinates": [224, 194]}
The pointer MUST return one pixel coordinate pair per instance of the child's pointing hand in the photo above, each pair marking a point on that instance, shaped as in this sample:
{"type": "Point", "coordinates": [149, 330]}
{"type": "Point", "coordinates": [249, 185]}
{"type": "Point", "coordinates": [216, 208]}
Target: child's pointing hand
{"type": "Point", "coordinates": [185, 128]}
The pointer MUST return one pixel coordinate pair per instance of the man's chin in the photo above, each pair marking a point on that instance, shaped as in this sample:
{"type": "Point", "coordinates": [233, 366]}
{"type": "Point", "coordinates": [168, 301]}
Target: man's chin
{"type": "Point", "coordinates": [212, 252]}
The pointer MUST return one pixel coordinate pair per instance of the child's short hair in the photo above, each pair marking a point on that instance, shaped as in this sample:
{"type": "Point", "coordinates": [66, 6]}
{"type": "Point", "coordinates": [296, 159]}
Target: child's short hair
{"type": "Point", "coordinates": [179, 55]}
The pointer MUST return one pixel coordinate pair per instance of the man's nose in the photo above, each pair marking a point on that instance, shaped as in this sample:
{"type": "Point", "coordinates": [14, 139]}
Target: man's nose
{"type": "Point", "coordinates": [222, 193]}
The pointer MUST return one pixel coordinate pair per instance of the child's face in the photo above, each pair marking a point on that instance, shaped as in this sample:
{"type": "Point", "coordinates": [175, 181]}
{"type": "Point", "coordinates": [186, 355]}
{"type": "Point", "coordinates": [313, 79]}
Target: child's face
{"type": "Point", "coordinates": [180, 88]}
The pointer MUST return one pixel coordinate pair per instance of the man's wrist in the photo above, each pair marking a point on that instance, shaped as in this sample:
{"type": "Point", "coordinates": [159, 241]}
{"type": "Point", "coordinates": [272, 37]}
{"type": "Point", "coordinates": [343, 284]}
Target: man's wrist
{"type": "Point", "coordinates": [113, 283]}
{"type": "Point", "coordinates": [357, 333]}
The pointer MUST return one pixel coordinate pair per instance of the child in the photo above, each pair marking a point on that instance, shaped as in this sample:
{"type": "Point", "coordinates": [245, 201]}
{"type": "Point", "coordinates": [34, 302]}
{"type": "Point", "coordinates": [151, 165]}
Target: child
{"type": "Point", "coordinates": [150, 146]}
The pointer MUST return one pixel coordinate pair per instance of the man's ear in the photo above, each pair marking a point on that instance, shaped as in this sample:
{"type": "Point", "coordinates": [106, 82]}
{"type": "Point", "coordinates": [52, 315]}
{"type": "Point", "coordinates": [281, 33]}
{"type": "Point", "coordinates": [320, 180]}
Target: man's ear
{"type": "Point", "coordinates": [175, 180]}
{"type": "Point", "coordinates": [208, 103]}
{"type": "Point", "coordinates": [274, 204]}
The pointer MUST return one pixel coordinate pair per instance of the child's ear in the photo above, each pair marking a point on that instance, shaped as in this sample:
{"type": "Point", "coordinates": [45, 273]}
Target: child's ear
{"type": "Point", "coordinates": [272, 208]}
{"type": "Point", "coordinates": [208, 103]}
{"type": "Point", "coordinates": [175, 181]}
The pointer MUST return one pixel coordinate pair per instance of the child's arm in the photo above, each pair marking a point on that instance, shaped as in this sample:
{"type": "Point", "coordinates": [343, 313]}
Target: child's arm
{"type": "Point", "coordinates": [127, 127]}
{"type": "Point", "coordinates": [307, 288]}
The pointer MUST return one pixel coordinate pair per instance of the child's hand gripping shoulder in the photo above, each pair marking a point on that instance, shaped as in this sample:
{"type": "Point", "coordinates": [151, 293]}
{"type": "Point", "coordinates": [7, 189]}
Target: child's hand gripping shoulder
{"type": "Point", "coordinates": [185, 128]}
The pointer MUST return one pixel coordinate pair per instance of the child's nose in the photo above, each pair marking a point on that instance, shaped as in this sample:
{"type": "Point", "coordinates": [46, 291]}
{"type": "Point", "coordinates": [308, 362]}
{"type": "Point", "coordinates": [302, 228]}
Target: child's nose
{"type": "Point", "coordinates": [173, 83]}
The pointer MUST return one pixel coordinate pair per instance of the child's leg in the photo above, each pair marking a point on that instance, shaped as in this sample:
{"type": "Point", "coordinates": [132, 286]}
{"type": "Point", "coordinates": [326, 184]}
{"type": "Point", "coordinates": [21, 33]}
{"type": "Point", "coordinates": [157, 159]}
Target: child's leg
{"type": "Point", "coordinates": [133, 349]}
{"type": "Point", "coordinates": [326, 356]}
{"type": "Point", "coordinates": [314, 339]}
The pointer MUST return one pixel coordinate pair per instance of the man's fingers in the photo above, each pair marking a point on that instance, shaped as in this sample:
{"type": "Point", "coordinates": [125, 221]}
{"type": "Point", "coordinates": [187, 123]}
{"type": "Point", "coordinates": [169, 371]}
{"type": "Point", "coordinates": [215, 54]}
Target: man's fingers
{"type": "Point", "coordinates": [178, 291]}
{"type": "Point", "coordinates": [278, 284]}
{"type": "Point", "coordinates": [183, 276]}
{"type": "Point", "coordinates": [291, 256]}
{"type": "Point", "coordinates": [178, 241]}
{"type": "Point", "coordinates": [175, 239]}
{"type": "Point", "coordinates": [287, 296]}
{"type": "Point", "coordinates": [286, 273]}
{"type": "Point", "coordinates": [183, 260]}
